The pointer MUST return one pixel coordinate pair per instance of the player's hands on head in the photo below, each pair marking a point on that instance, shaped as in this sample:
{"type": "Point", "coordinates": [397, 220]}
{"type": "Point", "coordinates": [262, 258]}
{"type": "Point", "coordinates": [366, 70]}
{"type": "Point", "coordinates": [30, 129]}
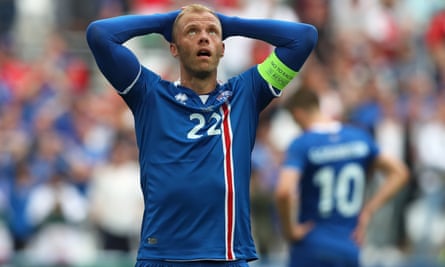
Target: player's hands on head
{"type": "Point", "coordinates": [169, 20]}
{"type": "Point", "coordinates": [225, 21]}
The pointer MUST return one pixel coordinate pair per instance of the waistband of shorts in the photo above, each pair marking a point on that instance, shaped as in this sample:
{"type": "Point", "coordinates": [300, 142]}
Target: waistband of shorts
{"type": "Point", "coordinates": [213, 263]}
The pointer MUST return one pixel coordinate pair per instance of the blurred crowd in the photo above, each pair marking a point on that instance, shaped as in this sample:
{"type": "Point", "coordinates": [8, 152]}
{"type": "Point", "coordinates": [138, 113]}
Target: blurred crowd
{"type": "Point", "coordinates": [69, 177]}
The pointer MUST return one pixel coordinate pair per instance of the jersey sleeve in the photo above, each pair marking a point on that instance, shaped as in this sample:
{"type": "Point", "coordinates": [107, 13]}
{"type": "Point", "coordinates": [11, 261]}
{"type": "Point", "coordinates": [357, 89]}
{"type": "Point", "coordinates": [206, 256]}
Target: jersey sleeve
{"type": "Point", "coordinates": [371, 143]}
{"type": "Point", "coordinates": [146, 82]}
{"type": "Point", "coordinates": [293, 44]}
{"type": "Point", "coordinates": [373, 146]}
{"type": "Point", "coordinates": [106, 37]}
{"type": "Point", "coordinates": [295, 156]}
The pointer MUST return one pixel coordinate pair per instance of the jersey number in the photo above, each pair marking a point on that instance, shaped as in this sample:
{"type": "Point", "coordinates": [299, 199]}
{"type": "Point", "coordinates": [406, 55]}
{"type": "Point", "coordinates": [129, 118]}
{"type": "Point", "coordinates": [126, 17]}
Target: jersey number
{"type": "Point", "coordinates": [344, 192]}
{"type": "Point", "coordinates": [201, 122]}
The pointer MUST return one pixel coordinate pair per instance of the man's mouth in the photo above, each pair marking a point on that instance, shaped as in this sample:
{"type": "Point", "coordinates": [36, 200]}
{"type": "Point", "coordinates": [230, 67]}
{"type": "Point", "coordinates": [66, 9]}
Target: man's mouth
{"type": "Point", "coordinates": [204, 53]}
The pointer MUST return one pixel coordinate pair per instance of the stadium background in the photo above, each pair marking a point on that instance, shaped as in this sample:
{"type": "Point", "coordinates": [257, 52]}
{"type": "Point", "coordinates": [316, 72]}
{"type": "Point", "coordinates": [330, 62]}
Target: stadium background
{"type": "Point", "coordinates": [69, 193]}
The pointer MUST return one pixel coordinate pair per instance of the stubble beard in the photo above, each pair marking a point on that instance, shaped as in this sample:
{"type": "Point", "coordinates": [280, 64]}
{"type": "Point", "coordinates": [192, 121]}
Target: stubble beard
{"type": "Point", "coordinates": [200, 73]}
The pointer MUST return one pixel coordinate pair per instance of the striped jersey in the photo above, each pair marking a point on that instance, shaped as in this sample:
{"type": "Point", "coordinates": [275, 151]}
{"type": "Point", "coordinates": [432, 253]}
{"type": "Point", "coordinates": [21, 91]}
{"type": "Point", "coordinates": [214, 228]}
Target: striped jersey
{"type": "Point", "coordinates": [195, 165]}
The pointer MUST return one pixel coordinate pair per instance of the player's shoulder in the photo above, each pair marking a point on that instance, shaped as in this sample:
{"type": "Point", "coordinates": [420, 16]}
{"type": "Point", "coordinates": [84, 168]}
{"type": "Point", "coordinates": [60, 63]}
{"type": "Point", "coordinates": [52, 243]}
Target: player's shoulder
{"type": "Point", "coordinates": [148, 83]}
{"type": "Point", "coordinates": [355, 130]}
{"type": "Point", "coordinates": [303, 141]}
{"type": "Point", "coordinates": [149, 75]}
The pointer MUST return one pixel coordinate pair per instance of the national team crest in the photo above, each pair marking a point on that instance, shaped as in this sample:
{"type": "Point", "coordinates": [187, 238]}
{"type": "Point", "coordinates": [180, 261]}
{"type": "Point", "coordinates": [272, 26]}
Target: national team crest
{"type": "Point", "coordinates": [223, 96]}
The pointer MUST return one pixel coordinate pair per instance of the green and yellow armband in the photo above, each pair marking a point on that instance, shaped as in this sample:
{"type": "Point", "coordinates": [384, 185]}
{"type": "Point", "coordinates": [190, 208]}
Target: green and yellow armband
{"type": "Point", "coordinates": [275, 72]}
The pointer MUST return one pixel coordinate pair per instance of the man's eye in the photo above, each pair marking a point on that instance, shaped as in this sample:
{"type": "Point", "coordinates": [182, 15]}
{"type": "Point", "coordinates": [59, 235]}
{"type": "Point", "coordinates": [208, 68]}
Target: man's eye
{"type": "Point", "coordinates": [192, 32]}
{"type": "Point", "coordinates": [212, 32]}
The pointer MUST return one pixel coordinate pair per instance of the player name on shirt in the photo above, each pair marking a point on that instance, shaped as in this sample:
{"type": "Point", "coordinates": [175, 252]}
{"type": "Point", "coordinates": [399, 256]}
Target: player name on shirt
{"type": "Point", "coordinates": [337, 152]}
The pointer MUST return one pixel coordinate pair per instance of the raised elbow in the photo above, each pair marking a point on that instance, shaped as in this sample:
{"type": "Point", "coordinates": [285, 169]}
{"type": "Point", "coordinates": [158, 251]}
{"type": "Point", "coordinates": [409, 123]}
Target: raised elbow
{"type": "Point", "coordinates": [94, 32]}
{"type": "Point", "coordinates": [99, 34]}
{"type": "Point", "coordinates": [311, 36]}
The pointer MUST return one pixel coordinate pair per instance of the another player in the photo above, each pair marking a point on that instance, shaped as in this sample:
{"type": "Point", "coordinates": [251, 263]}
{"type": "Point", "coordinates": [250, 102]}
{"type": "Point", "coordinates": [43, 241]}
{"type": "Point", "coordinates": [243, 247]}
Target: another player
{"type": "Point", "coordinates": [321, 189]}
{"type": "Point", "coordinates": [195, 136]}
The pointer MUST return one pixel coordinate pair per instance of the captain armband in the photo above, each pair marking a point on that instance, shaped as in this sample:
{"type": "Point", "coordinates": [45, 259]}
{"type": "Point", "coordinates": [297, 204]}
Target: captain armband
{"type": "Point", "coordinates": [275, 72]}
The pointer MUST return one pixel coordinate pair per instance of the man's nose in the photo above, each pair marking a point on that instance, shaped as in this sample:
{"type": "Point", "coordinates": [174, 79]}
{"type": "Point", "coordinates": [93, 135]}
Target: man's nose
{"type": "Point", "coordinates": [203, 37]}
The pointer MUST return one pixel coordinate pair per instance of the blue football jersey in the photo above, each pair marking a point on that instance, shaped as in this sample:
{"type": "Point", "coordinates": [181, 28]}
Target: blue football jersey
{"type": "Point", "coordinates": [195, 166]}
{"type": "Point", "coordinates": [333, 162]}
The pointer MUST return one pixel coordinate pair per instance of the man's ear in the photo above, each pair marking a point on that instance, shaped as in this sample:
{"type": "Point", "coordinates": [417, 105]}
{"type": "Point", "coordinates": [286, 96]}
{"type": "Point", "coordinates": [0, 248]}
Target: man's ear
{"type": "Point", "coordinates": [173, 49]}
{"type": "Point", "coordinates": [223, 49]}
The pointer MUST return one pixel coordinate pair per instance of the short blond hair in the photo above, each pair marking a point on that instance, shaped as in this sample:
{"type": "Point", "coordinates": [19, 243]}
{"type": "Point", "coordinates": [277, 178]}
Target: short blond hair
{"type": "Point", "coordinates": [192, 8]}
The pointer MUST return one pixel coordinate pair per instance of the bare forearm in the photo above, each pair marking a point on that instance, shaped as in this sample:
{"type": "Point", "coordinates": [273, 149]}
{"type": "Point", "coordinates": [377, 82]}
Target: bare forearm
{"type": "Point", "coordinates": [286, 213]}
{"type": "Point", "coordinates": [396, 176]}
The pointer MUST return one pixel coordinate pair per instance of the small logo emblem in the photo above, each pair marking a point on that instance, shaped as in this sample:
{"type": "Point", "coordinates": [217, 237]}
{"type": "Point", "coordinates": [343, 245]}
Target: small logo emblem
{"type": "Point", "coordinates": [152, 240]}
{"type": "Point", "coordinates": [223, 96]}
{"type": "Point", "coordinates": [181, 97]}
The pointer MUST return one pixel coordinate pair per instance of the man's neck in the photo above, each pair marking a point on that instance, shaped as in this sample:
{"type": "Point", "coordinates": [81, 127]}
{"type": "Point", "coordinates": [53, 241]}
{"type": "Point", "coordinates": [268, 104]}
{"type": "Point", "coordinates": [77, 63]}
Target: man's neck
{"type": "Point", "coordinates": [323, 123]}
{"type": "Point", "coordinates": [202, 86]}
{"type": "Point", "coordinates": [314, 119]}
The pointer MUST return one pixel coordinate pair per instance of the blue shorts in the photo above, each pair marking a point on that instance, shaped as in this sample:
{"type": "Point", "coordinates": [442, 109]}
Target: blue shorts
{"type": "Point", "coordinates": [207, 263]}
{"type": "Point", "coordinates": [321, 248]}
